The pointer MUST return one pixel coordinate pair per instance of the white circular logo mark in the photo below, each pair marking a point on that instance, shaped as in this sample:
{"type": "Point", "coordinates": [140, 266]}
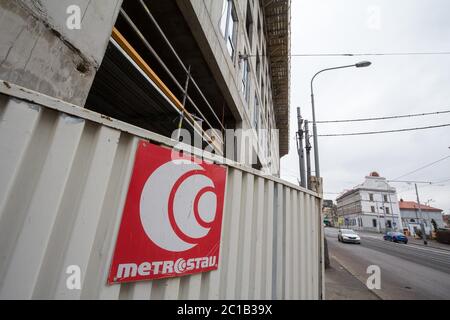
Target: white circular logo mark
{"type": "Point", "coordinates": [178, 205]}
{"type": "Point", "coordinates": [180, 266]}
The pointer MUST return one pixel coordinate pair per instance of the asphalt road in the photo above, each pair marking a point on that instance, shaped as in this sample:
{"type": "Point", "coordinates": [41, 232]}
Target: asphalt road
{"type": "Point", "coordinates": [407, 271]}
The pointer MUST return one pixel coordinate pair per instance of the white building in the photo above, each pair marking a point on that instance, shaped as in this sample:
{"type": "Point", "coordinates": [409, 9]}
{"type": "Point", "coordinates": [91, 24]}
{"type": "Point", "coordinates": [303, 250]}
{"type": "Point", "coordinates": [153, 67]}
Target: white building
{"type": "Point", "coordinates": [411, 218]}
{"type": "Point", "coordinates": [371, 206]}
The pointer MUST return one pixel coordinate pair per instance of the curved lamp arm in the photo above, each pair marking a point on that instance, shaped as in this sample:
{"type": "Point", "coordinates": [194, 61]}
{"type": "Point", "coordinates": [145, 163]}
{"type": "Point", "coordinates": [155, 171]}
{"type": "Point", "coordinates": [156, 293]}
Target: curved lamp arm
{"type": "Point", "coordinates": [361, 64]}
{"type": "Point", "coordinates": [327, 69]}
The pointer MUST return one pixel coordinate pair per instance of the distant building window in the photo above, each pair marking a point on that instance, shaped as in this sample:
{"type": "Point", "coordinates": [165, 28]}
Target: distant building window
{"type": "Point", "coordinates": [385, 197]}
{"type": "Point", "coordinates": [259, 28]}
{"type": "Point", "coordinates": [374, 223]}
{"type": "Point", "coordinates": [263, 139]}
{"type": "Point", "coordinates": [246, 78]}
{"type": "Point", "coordinates": [260, 125]}
{"type": "Point", "coordinates": [389, 224]}
{"type": "Point", "coordinates": [387, 211]}
{"type": "Point", "coordinates": [256, 113]}
{"type": "Point", "coordinates": [228, 26]}
{"type": "Point", "coordinates": [258, 67]}
{"type": "Point", "coordinates": [262, 88]}
{"type": "Point", "coordinates": [264, 60]}
{"type": "Point", "coordinates": [372, 208]}
{"type": "Point", "coordinates": [371, 196]}
{"type": "Point", "coordinates": [249, 23]}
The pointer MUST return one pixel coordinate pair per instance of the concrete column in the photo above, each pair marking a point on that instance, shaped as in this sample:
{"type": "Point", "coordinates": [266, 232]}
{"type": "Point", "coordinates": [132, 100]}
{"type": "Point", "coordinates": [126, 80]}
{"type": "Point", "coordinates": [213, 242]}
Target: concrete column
{"type": "Point", "coordinates": [39, 51]}
{"type": "Point", "coordinates": [316, 185]}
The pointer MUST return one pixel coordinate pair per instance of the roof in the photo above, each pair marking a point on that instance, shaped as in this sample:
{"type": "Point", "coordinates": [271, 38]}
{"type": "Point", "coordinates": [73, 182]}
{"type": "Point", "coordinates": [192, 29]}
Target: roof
{"type": "Point", "coordinates": [411, 205]}
{"type": "Point", "coordinates": [346, 193]}
{"type": "Point", "coordinates": [277, 14]}
{"type": "Point", "coordinates": [371, 184]}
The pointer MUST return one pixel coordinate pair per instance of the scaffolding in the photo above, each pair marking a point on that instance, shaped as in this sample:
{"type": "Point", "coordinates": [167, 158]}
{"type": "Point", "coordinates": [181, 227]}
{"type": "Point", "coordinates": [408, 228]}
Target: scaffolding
{"type": "Point", "coordinates": [277, 14]}
{"type": "Point", "coordinates": [213, 140]}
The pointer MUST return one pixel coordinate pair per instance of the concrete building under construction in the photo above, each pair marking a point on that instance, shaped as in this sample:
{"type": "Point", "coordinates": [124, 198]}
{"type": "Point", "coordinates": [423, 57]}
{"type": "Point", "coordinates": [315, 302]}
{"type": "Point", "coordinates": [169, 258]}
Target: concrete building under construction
{"type": "Point", "coordinates": [200, 64]}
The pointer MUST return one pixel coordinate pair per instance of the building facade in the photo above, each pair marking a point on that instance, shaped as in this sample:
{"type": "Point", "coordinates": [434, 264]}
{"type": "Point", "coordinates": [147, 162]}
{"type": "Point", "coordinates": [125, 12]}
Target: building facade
{"type": "Point", "coordinates": [329, 211]}
{"type": "Point", "coordinates": [446, 218]}
{"type": "Point", "coordinates": [370, 206]}
{"type": "Point", "coordinates": [411, 218]}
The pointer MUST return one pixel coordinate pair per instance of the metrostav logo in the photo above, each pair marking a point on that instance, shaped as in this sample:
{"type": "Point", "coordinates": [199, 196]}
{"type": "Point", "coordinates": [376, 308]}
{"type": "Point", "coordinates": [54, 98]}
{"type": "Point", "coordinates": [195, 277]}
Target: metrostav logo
{"type": "Point", "coordinates": [180, 266]}
{"type": "Point", "coordinates": [172, 218]}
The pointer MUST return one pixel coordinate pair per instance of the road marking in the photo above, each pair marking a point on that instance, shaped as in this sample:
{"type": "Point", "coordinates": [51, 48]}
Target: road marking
{"type": "Point", "coordinates": [420, 247]}
{"type": "Point", "coordinates": [441, 252]}
{"type": "Point", "coordinates": [441, 262]}
{"type": "Point", "coordinates": [412, 246]}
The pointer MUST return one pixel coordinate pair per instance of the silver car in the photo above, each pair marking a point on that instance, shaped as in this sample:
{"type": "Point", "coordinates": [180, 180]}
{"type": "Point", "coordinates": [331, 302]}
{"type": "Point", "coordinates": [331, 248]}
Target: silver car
{"type": "Point", "coordinates": [348, 235]}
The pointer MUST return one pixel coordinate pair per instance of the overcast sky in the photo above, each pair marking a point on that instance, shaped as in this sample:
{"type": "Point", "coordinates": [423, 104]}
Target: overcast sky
{"type": "Point", "coordinates": [393, 85]}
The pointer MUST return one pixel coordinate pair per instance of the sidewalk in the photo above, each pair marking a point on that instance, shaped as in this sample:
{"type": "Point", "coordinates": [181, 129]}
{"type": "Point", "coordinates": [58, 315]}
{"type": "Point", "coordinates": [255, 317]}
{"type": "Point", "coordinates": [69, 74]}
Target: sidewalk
{"type": "Point", "coordinates": [342, 285]}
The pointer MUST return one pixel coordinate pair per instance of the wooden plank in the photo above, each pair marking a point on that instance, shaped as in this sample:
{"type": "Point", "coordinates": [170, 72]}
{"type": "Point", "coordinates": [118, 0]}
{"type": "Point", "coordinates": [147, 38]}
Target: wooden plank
{"type": "Point", "coordinates": [135, 56]}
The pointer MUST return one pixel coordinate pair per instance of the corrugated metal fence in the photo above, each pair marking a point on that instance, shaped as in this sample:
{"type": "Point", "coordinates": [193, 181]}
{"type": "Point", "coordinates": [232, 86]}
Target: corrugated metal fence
{"type": "Point", "coordinates": [64, 174]}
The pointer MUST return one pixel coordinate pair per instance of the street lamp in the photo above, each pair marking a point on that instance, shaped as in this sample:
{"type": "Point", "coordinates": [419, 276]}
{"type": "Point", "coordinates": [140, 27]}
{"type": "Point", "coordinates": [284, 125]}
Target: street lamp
{"type": "Point", "coordinates": [361, 64]}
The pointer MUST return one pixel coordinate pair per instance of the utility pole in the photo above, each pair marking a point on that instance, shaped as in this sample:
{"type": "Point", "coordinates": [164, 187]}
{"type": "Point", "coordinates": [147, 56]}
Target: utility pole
{"type": "Point", "coordinates": [361, 64]}
{"type": "Point", "coordinates": [422, 227]}
{"type": "Point", "coordinates": [301, 152]}
{"type": "Point", "coordinates": [308, 155]}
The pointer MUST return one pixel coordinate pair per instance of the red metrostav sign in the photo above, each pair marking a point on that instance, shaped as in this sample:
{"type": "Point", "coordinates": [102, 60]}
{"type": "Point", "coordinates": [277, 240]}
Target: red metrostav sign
{"type": "Point", "coordinates": [172, 219]}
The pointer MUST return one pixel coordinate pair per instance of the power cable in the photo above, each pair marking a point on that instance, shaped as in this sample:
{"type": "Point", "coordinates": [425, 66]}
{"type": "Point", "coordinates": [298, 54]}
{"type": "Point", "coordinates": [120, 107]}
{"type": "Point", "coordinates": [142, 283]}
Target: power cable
{"type": "Point", "coordinates": [442, 181]}
{"type": "Point", "coordinates": [421, 168]}
{"type": "Point", "coordinates": [431, 184]}
{"type": "Point", "coordinates": [369, 54]}
{"type": "Point", "coordinates": [384, 131]}
{"type": "Point", "coordinates": [385, 118]}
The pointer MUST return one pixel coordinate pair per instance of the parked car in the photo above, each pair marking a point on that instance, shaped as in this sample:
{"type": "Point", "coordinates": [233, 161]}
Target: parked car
{"type": "Point", "coordinates": [348, 235]}
{"type": "Point", "coordinates": [395, 237]}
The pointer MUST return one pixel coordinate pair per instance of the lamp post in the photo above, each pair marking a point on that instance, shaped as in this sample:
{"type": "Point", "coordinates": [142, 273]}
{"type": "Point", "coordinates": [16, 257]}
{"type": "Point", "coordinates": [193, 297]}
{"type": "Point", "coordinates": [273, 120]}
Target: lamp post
{"type": "Point", "coordinates": [361, 64]}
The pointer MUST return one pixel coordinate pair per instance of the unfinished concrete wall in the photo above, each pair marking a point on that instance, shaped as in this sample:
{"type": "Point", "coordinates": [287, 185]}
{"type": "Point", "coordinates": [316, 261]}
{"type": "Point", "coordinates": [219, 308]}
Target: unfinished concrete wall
{"type": "Point", "coordinates": [38, 50]}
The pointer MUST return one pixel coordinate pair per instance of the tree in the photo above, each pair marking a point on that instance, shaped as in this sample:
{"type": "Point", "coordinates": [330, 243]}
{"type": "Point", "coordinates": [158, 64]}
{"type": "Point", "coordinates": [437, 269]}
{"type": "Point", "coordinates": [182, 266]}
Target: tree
{"type": "Point", "coordinates": [435, 226]}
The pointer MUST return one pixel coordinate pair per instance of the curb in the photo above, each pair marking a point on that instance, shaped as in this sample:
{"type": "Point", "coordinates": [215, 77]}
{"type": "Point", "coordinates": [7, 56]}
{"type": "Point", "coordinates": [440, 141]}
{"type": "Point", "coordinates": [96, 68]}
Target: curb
{"type": "Point", "coordinates": [351, 273]}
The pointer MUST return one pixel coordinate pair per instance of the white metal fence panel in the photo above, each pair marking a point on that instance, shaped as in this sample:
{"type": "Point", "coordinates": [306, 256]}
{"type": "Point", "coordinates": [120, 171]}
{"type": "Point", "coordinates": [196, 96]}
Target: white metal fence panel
{"type": "Point", "coordinates": [63, 184]}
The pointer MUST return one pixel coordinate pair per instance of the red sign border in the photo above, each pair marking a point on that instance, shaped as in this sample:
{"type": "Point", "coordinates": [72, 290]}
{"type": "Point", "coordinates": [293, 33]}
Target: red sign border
{"type": "Point", "coordinates": [187, 156]}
